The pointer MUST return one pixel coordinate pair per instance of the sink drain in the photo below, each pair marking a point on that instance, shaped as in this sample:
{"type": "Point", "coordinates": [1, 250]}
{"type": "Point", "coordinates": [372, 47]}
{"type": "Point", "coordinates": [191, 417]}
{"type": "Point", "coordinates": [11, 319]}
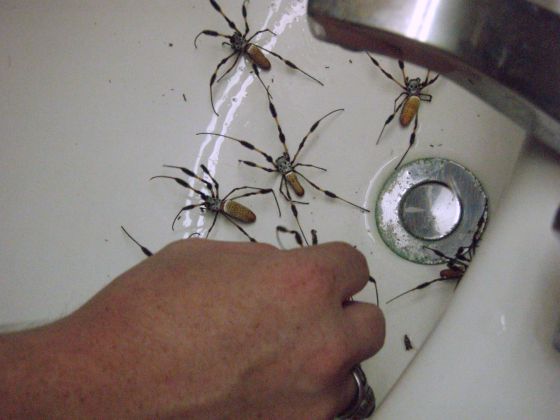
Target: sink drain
{"type": "Point", "coordinates": [430, 204]}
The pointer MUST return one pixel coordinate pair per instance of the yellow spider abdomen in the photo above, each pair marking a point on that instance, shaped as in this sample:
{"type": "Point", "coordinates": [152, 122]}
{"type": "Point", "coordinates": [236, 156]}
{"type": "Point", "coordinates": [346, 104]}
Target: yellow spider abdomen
{"type": "Point", "coordinates": [239, 212]}
{"type": "Point", "coordinates": [258, 57]}
{"type": "Point", "coordinates": [295, 184]}
{"type": "Point", "coordinates": [409, 110]}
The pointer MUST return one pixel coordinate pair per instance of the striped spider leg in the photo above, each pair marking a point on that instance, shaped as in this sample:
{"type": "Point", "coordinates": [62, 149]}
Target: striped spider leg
{"type": "Point", "coordinates": [230, 209]}
{"type": "Point", "coordinates": [145, 250]}
{"type": "Point", "coordinates": [287, 166]}
{"type": "Point", "coordinates": [409, 106]}
{"type": "Point", "coordinates": [315, 241]}
{"type": "Point", "coordinates": [242, 46]}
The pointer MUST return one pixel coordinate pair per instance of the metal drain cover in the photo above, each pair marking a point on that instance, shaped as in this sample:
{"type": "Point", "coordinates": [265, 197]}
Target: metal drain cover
{"type": "Point", "coordinates": [430, 203]}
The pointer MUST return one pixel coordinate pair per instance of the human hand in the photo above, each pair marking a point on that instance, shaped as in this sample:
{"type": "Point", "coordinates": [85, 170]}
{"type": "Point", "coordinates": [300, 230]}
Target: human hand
{"type": "Point", "coordinates": [225, 330]}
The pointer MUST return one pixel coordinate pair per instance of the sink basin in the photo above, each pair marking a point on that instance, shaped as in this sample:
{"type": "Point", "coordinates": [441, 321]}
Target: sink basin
{"type": "Point", "coordinates": [98, 96]}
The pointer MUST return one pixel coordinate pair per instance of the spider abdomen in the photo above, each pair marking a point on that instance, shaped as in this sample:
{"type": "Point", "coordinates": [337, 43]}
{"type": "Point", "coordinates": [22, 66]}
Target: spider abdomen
{"type": "Point", "coordinates": [409, 110]}
{"type": "Point", "coordinates": [258, 57]}
{"type": "Point", "coordinates": [239, 212]}
{"type": "Point", "coordinates": [295, 184]}
{"type": "Point", "coordinates": [451, 273]}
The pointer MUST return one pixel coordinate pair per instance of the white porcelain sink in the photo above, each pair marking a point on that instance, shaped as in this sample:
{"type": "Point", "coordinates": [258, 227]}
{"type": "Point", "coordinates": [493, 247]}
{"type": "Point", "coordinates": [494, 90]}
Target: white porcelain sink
{"type": "Point", "coordinates": [97, 96]}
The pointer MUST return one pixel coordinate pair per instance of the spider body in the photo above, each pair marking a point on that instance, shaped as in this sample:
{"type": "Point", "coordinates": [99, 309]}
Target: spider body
{"type": "Point", "coordinates": [241, 45]}
{"type": "Point", "coordinates": [412, 96]}
{"type": "Point", "coordinates": [238, 211]}
{"type": "Point", "coordinates": [287, 166]}
{"type": "Point", "coordinates": [409, 110]}
{"type": "Point", "coordinates": [456, 266]}
{"type": "Point", "coordinates": [229, 208]}
{"type": "Point", "coordinates": [286, 169]}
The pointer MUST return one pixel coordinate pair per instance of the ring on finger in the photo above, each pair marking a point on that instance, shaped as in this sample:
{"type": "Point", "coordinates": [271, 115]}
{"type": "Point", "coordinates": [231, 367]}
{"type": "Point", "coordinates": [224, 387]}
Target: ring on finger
{"type": "Point", "coordinates": [363, 404]}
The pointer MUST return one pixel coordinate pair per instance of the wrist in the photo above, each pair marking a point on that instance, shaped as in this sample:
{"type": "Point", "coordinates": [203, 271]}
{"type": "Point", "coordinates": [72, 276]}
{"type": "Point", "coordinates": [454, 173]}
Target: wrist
{"type": "Point", "coordinates": [45, 372]}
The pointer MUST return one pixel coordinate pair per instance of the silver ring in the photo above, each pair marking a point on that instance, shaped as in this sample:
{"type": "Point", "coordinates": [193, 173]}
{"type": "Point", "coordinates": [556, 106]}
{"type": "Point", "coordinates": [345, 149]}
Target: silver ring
{"type": "Point", "coordinates": [363, 404]}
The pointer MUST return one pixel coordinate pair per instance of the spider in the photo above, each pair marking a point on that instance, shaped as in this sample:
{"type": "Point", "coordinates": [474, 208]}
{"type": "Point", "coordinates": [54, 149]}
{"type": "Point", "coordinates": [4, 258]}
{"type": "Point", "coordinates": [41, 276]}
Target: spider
{"type": "Point", "coordinates": [145, 250]}
{"type": "Point", "coordinates": [413, 96]}
{"type": "Point", "coordinates": [230, 209]}
{"type": "Point", "coordinates": [287, 166]}
{"type": "Point", "coordinates": [457, 265]}
{"type": "Point", "coordinates": [315, 241]}
{"type": "Point", "coordinates": [242, 45]}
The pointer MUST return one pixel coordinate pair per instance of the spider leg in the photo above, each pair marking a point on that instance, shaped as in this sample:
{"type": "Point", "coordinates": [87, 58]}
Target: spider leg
{"type": "Point", "coordinates": [217, 7]}
{"type": "Point", "coordinates": [294, 210]}
{"type": "Point", "coordinates": [258, 33]}
{"type": "Point", "coordinates": [289, 63]}
{"type": "Point", "coordinates": [183, 184]}
{"type": "Point", "coordinates": [243, 143]}
{"type": "Point", "coordinates": [386, 73]}
{"type": "Point", "coordinates": [207, 172]}
{"type": "Point", "coordinates": [191, 173]}
{"type": "Point", "coordinates": [186, 208]}
{"type": "Point", "coordinates": [390, 118]}
{"type": "Point", "coordinates": [401, 66]}
{"type": "Point", "coordinates": [410, 143]}
{"type": "Point", "coordinates": [372, 280]}
{"type": "Point", "coordinates": [396, 100]}
{"type": "Point", "coordinates": [429, 82]}
{"type": "Point", "coordinates": [215, 74]}
{"type": "Point", "coordinates": [284, 184]}
{"type": "Point", "coordinates": [239, 227]}
{"type": "Point", "coordinates": [329, 193]}
{"type": "Point", "coordinates": [310, 166]}
{"type": "Point", "coordinates": [210, 33]}
{"type": "Point", "coordinates": [281, 135]}
{"type": "Point", "coordinates": [451, 261]}
{"type": "Point", "coordinates": [230, 68]}
{"type": "Point", "coordinates": [422, 286]}
{"type": "Point", "coordinates": [311, 130]}
{"type": "Point", "coordinates": [257, 192]}
{"type": "Point", "coordinates": [212, 225]}
{"type": "Point", "coordinates": [295, 233]}
{"type": "Point", "coordinates": [145, 250]}
{"type": "Point", "coordinates": [254, 165]}
{"type": "Point", "coordinates": [258, 74]}
{"type": "Point", "coordinates": [244, 13]}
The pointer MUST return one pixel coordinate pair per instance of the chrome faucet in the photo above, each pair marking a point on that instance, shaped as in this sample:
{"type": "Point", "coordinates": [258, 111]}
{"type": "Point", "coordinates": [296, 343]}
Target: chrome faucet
{"type": "Point", "coordinates": [504, 51]}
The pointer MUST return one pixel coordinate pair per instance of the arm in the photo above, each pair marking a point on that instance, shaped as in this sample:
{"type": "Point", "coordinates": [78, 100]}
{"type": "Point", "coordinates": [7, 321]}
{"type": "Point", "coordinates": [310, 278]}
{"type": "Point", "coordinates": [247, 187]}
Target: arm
{"type": "Point", "coordinates": [203, 329]}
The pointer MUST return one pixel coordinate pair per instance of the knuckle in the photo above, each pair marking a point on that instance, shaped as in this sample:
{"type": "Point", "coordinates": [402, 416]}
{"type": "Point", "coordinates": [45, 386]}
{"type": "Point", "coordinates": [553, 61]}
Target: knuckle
{"type": "Point", "coordinates": [350, 255]}
{"type": "Point", "coordinates": [316, 276]}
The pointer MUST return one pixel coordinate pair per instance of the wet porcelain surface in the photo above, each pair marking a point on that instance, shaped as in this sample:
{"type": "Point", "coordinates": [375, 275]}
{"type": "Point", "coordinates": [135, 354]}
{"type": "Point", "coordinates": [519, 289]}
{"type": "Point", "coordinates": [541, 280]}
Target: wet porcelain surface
{"type": "Point", "coordinates": [97, 96]}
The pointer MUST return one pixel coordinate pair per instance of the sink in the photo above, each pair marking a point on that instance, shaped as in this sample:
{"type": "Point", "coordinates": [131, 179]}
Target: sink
{"type": "Point", "coordinates": [98, 96]}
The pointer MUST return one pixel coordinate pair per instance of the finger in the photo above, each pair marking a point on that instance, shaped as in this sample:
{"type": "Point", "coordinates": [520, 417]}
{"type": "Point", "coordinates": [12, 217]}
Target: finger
{"type": "Point", "coordinates": [364, 325]}
{"type": "Point", "coordinates": [349, 265]}
{"type": "Point", "coordinates": [202, 245]}
{"type": "Point", "coordinates": [342, 394]}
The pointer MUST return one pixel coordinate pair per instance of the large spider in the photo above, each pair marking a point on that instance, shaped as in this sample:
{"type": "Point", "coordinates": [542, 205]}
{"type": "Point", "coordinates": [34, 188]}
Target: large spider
{"type": "Point", "coordinates": [315, 241]}
{"type": "Point", "coordinates": [230, 209]}
{"type": "Point", "coordinates": [410, 104]}
{"type": "Point", "coordinates": [287, 166]}
{"type": "Point", "coordinates": [456, 266]}
{"type": "Point", "coordinates": [242, 45]}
